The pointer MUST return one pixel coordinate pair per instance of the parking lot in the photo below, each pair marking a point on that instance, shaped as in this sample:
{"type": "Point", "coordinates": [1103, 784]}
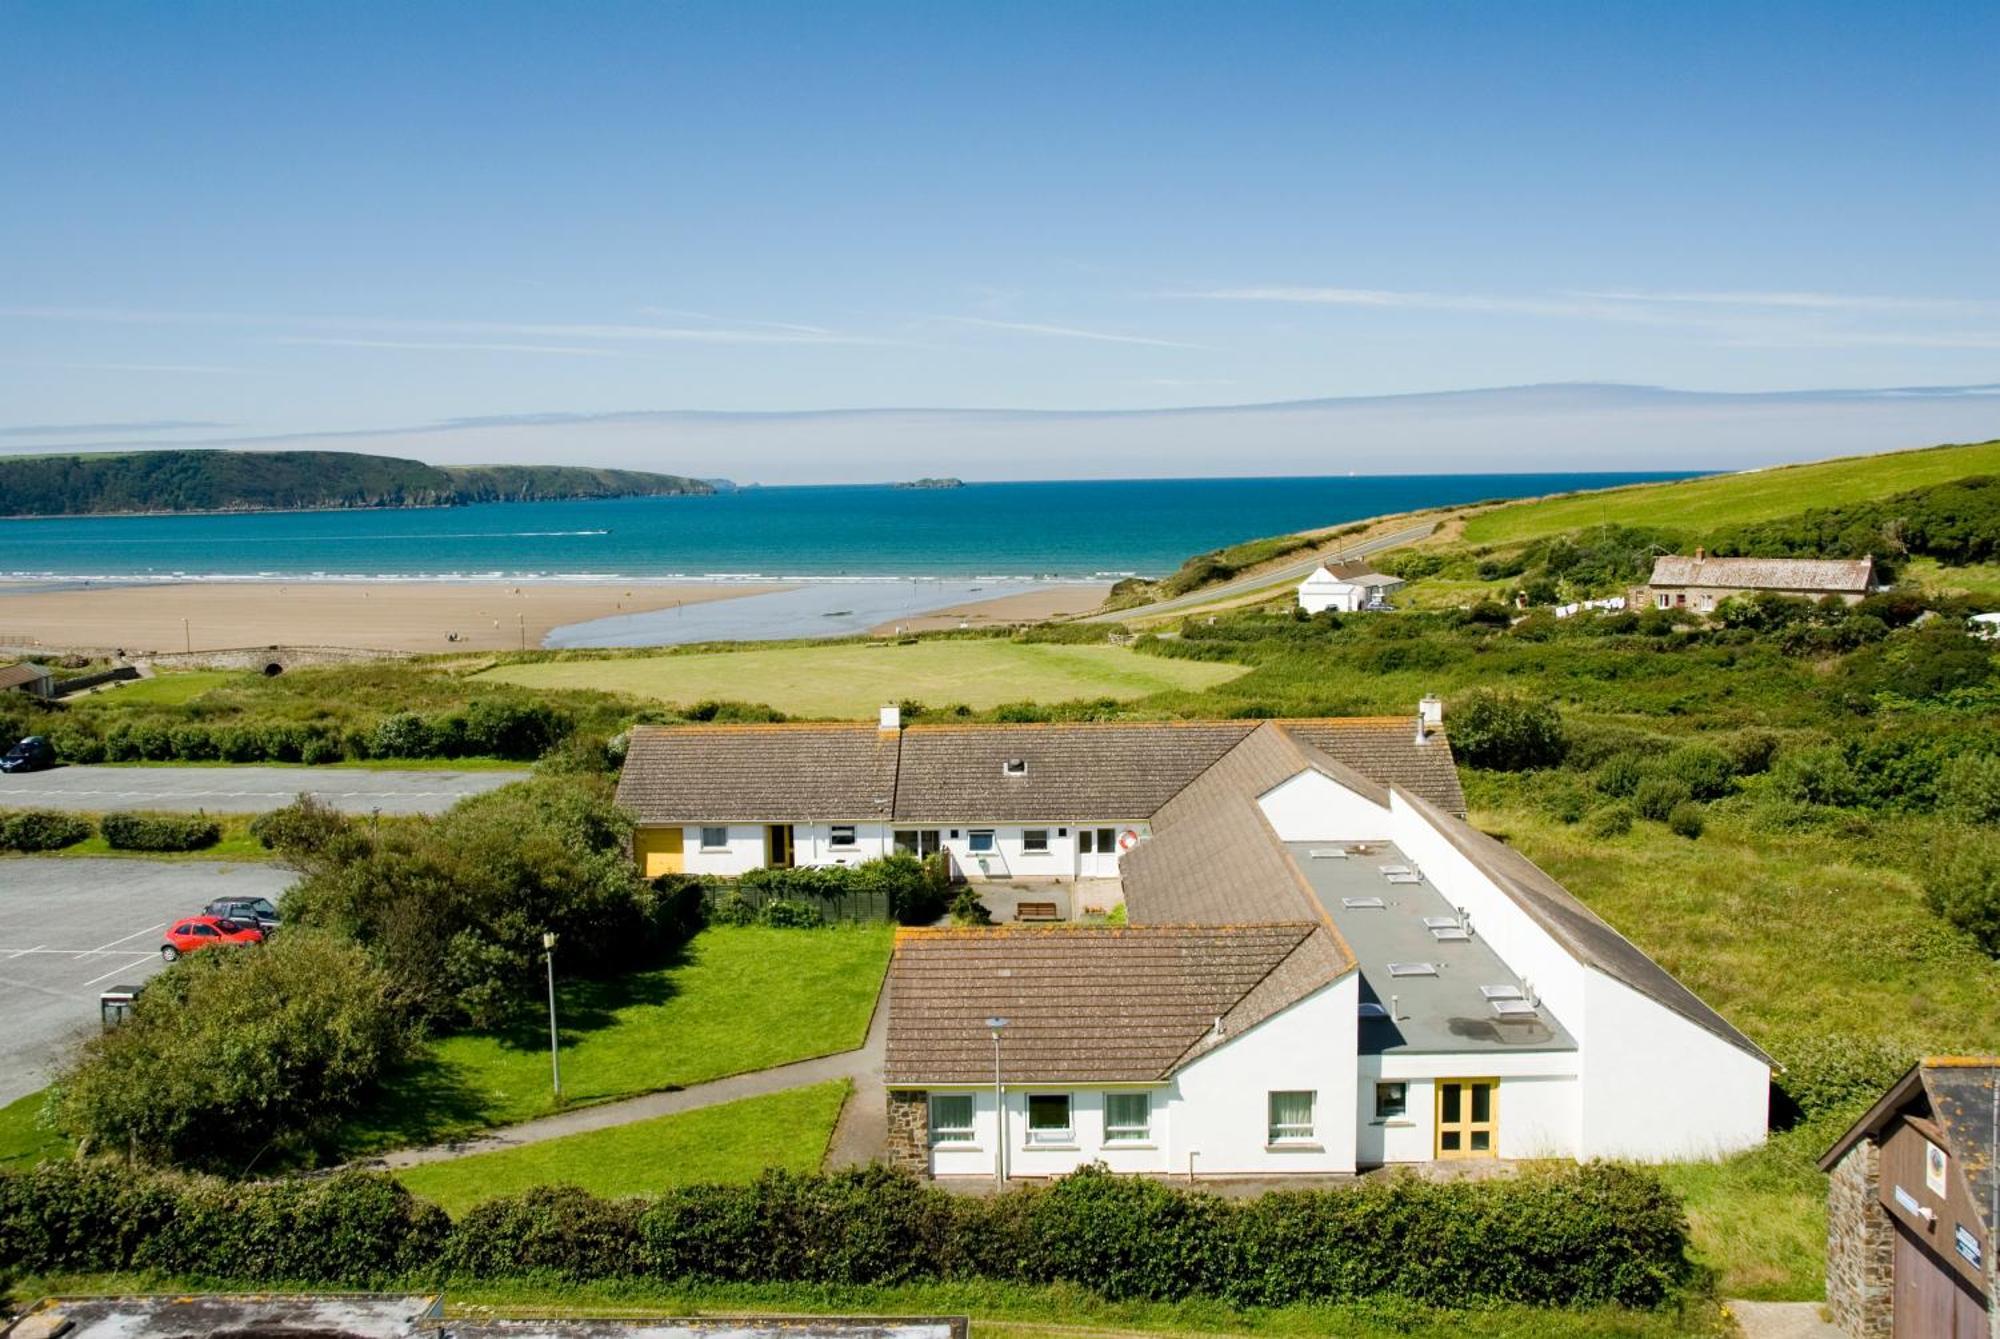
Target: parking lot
{"type": "Point", "coordinates": [247, 789]}
{"type": "Point", "coordinates": [72, 928]}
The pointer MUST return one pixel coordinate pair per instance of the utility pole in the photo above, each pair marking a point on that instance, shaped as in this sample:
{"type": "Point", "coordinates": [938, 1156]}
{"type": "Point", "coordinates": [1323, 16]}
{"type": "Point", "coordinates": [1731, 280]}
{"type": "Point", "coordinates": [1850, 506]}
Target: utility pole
{"type": "Point", "coordinates": [555, 1053]}
{"type": "Point", "coordinates": [522, 620]}
{"type": "Point", "coordinates": [999, 1110]}
{"type": "Point", "coordinates": [187, 638]}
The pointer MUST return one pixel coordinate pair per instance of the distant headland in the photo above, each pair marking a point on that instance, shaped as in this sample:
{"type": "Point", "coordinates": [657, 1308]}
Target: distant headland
{"type": "Point", "coordinates": [932, 483]}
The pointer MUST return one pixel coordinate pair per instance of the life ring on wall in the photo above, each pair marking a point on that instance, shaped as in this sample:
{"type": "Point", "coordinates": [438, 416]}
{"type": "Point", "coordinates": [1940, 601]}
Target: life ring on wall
{"type": "Point", "coordinates": [1127, 839]}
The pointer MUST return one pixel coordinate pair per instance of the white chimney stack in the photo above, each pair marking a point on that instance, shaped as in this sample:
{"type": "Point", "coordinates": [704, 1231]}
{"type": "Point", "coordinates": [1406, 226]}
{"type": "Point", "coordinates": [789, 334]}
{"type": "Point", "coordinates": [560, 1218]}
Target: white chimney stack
{"type": "Point", "coordinates": [1430, 716]}
{"type": "Point", "coordinates": [892, 719]}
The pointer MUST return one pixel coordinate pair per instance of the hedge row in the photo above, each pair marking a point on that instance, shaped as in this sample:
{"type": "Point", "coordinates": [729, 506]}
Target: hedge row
{"type": "Point", "coordinates": [1568, 1236]}
{"type": "Point", "coordinates": [522, 731]}
{"type": "Point", "coordinates": [50, 830]}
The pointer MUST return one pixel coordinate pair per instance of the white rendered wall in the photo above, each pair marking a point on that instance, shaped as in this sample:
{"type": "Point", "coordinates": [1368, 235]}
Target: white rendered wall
{"type": "Point", "coordinates": [1088, 1145]}
{"type": "Point", "coordinates": [1010, 858]}
{"type": "Point", "coordinates": [1539, 1104]}
{"type": "Point", "coordinates": [744, 850]}
{"type": "Point", "coordinates": [1657, 1087]}
{"type": "Point", "coordinates": [812, 844]}
{"type": "Point", "coordinates": [1313, 807]}
{"type": "Point", "coordinates": [1322, 590]}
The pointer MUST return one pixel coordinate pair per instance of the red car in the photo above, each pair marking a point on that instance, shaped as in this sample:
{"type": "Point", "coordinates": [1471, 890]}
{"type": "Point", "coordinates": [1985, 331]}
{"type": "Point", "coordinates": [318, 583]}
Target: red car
{"type": "Point", "coordinates": [206, 932]}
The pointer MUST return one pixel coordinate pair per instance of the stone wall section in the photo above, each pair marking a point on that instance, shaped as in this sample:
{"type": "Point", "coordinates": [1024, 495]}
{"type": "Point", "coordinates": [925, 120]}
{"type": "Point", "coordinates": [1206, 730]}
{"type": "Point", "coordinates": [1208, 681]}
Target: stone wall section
{"type": "Point", "coordinates": [909, 1145]}
{"type": "Point", "coordinates": [1860, 1246]}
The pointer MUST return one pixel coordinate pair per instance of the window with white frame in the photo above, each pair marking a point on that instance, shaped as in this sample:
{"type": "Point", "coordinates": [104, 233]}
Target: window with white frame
{"type": "Point", "coordinates": [1035, 841]}
{"type": "Point", "coordinates": [1128, 1118]}
{"type": "Point", "coordinates": [1291, 1117]}
{"type": "Point", "coordinates": [951, 1118]}
{"type": "Point", "coordinates": [1048, 1119]}
{"type": "Point", "coordinates": [980, 840]}
{"type": "Point", "coordinates": [714, 839]}
{"type": "Point", "coordinates": [842, 835]}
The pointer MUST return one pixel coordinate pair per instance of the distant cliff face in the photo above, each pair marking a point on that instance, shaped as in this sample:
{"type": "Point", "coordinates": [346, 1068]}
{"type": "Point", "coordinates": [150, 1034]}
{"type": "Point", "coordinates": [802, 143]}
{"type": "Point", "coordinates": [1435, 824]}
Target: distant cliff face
{"type": "Point", "coordinates": [170, 481]}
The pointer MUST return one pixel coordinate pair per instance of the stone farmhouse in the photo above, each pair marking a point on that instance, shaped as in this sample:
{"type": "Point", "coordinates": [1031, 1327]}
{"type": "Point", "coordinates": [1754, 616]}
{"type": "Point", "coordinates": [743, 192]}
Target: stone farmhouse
{"type": "Point", "coordinates": [1701, 583]}
{"type": "Point", "coordinates": [1325, 967]}
{"type": "Point", "coordinates": [1913, 1203]}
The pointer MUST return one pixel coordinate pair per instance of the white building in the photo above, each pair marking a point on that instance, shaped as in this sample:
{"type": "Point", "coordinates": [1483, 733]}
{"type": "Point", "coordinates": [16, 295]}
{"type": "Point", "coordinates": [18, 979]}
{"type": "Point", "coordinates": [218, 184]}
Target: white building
{"type": "Point", "coordinates": [1345, 594]}
{"type": "Point", "coordinates": [1019, 803]}
{"type": "Point", "coordinates": [1324, 972]}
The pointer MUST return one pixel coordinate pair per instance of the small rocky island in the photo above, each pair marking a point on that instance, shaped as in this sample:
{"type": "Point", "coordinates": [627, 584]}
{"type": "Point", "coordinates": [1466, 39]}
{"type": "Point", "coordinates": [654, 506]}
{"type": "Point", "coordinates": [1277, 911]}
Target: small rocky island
{"type": "Point", "coordinates": [932, 483]}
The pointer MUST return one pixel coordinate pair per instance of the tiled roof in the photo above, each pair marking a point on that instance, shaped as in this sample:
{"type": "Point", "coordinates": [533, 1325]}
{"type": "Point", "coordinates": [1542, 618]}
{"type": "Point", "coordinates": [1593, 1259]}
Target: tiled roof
{"type": "Point", "coordinates": [774, 773]}
{"type": "Point", "coordinates": [14, 676]}
{"type": "Point", "coordinates": [1850, 576]}
{"type": "Point", "coordinates": [1963, 1103]}
{"type": "Point", "coordinates": [1090, 1004]}
{"type": "Point", "coordinates": [1110, 771]}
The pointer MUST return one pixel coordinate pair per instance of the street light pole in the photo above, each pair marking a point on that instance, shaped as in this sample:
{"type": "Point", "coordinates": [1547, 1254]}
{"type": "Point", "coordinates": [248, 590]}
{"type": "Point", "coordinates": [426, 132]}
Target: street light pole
{"type": "Point", "coordinates": [555, 1055]}
{"type": "Point", "coordinates": [999, 1110]}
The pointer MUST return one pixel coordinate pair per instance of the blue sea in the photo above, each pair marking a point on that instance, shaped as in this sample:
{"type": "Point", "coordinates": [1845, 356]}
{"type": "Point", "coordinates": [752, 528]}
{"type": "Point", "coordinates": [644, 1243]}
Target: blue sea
{"type": "Point", "coordinates": [1014, 531]}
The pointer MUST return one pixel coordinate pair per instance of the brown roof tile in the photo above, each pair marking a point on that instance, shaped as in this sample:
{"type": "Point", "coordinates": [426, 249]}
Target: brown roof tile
{"type": "Point", "coordinates": [1097, 1004]}
{"type": "Point", "coordinates": [774, 773]}
{"type": "Point", "coordinates": [1112, 770]}
{"type": "Point", "coordinates": [1848, 576]}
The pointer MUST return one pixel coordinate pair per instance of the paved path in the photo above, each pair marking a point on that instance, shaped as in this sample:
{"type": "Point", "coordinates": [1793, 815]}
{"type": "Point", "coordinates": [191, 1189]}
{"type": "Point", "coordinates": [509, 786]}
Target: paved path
{"type": "Point", "coordinates": [1782, 1320]}
{"type": "Point", "coordinates": [70, 927]}
{"type": "Point", "coordinates": [1291, 572]}
{"type": "Point", "coordinates": [247, 789]}
{"type": "Point", "coordinates": [857, 1139]}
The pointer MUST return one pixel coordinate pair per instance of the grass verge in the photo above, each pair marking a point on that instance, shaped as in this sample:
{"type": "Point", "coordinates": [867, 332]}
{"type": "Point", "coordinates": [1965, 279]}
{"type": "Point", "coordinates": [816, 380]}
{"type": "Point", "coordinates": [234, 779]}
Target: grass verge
{"type": "Point", "coordinates": [236, 843]}
{"type": "Point", "coordinates": [23, 1142]}
{"type": "Point", "coordinates": [852, 679]}
{"type": "Point", "coordinates": [733, 1142]}
{"type": "Point", "coordinates": [739, 998]}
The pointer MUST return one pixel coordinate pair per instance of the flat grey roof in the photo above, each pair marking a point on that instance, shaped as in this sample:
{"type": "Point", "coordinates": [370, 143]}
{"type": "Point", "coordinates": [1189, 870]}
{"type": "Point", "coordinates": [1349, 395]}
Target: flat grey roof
{"type": "Point", "coordinates": [1440, 1013]}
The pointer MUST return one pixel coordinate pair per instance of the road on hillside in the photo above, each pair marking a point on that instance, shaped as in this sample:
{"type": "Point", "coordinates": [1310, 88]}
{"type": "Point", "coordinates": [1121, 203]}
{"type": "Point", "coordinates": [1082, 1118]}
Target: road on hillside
{"type": "Point", "coordinates": [1298, 571]}
{"type": "Point", "coordinates": [247, 789]}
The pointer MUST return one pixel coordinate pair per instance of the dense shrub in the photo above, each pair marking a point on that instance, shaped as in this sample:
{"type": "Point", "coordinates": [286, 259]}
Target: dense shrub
{"type": "Point", "coordinates": [301, 830]}
{"type": "Point", "coordinates": [1506, 732]}
{"type": "Point", "coordinates": [41, 830]}
{"type": "Point", "coordinates": [1820, 775]}
{"type": "Point", "coordinates": [1704, 769]}
{"type": "Point", "coordinates": [232, 1055]}
{"type": "Point", "coordinates": [403, 735]}
{"type": "Point", "coordinates": [1568, 1236]}
{"type": "Point", "coordinates": [1962, 884]}
{"type": "Point", "coordinates": [1686, 820]}
{"type": "Point", "coordinates": [1613, 820]}
{"type": "Point", "coordinates": [77, 744]}
{"type": "Point", "coordinates": [1836, 1075]}
{"type": "Point", "coordinates": [1968, 788]}
{"type": "Point", "coordinates": [159, 832]}
{"type": "Point", "coordinates": [1620, 775]}
{"type": "Point", "coordinates": [1657, 797]}
{"type": "Point", "coordinates": [898, 886]}
{"type": "Point", "coordinates": [967, 909]}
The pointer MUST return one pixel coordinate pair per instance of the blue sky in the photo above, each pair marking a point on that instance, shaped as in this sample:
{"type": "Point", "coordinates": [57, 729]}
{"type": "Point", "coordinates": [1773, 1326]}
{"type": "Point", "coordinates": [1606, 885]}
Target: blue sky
{"type": "Point", "coordinates": [240, 219]}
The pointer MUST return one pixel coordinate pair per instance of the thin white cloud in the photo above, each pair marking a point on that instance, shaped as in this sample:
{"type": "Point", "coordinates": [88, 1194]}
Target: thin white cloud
{"type": "Point", "coordinates": [1870, 339]}
{"type": "Point", "coordinates": [684, 314]}
{"type": "Point", "coordinates": [1855, 302]}
{"type": "Point", "coordinates": [449, 346]}
{"type": "Point", "coordinates": [1069, 332]}
{"type": "Point", "coordinates": [612, 331]}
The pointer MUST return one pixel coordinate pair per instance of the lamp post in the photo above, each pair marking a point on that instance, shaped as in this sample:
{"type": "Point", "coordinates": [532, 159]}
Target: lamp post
{"type": "Point", "coordinates": [999, 1110]}
{"type": "Point", "coordinates": [555, 1055]}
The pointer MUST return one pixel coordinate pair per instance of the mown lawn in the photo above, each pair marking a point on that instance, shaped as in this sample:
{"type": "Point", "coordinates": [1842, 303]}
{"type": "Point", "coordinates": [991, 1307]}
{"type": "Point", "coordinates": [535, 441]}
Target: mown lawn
{"type": "Point", "coordinates": [739, 998]}
{"type": "Point", "coordinates": [733, 1142]}
{"type": "Point", "coordinates": [171, 689]}
{"type": "Point", "coordinates": [1730, 499]}
{"type": "Point", "coordinates": [851, 680]}
{"type": "Point", "coordinates": [1790, 936]}
{"type": "Point", "coordinates": [23, 1142]}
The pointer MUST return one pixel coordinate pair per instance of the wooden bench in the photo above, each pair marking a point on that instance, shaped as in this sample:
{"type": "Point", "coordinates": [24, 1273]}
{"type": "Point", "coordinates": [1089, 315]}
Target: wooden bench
{"type": "Point", "coordinates": [1036, 911]}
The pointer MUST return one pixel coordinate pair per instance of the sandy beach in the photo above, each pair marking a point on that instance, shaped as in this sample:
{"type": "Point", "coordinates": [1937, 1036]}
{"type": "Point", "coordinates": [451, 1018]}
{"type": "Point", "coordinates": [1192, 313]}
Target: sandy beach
{"type": "Point", "coordinates": [1029, 607]}
{"type": "Point", "coordinates": [376, 616]}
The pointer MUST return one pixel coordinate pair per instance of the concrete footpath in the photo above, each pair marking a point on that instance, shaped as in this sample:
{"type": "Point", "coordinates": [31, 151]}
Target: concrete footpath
{"type": "Point", "coordinates": [857, 1139]}
{"type": "Point", "coordinates": [1782, 1320]}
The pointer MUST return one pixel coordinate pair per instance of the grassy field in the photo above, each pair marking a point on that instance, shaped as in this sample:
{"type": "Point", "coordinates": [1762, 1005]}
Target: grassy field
{"type": "Point", "coordinates": [741, 998]}
{"type": "Point", "coordinates": [851, 680]}
{"type": "Point", "coordinates": [236, 843]}
{"type": "Point", "coordinates": [170, 689]}
{"type": "Point", "coordinates": [732, 1142]}
{"type": "Point", "coordinates": [23, 1143]}
{"type": "Point", "coordinates": [1732, 499]}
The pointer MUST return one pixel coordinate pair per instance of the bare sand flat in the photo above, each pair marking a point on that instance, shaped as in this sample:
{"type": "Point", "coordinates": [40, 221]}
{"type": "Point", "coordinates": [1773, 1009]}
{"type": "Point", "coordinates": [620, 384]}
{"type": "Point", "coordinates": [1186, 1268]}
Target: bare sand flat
{"type": "Point", "coordinates": [1029, 607]}
{"type": "Point", "coordinates": [376, 616]}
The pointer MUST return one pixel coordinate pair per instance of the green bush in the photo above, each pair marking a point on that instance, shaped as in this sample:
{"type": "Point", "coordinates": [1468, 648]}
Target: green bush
{"type": "Point", "coordinates": [1657, 796]}
{"type": "Point", "coordinates": [1613, 820]}
{"type": "Point", "coordinates": [159, 832]}
{"type": "Point", "coordinates": [319, 748]}
{"type": "Point", "coordinates": [1962, 884]}
{"type": "Point", "coordinates": [1704, 769]}
{"type": "Point", "coordinates": [1820, 775]}
{"type": "Point", "coordinates": [1620, 775]}
{"type": "Point", "coordinates": [232, 1056]}
{"type": "Point", "coordinates": [301, 831]}
{"type": "Point", "coordinates": [1751, 751]}
{"type": "Point", "coordinates": [403, 735]}
{"type": "Point", "coordinates": [1836, 1075]}
{"type": "Point", "coordinates": [1968, 788]}
{"type": "Point", "coordinates": [41, 830]}
{"type": "Point", "coordinates": [967, 909]}
{"type": "Point", "coordinates": [785, 914]}
{"type": "Point", "coordinates": [193, 743]}
{"type": "Point", "coordinates": [1562, 1235]}
{"type": "Point", "coordinates": [1506, 732]}
{"type": "Point", "coordinates": [77, 744]}
{"type": "Point", "coordinates": [1686, 820]}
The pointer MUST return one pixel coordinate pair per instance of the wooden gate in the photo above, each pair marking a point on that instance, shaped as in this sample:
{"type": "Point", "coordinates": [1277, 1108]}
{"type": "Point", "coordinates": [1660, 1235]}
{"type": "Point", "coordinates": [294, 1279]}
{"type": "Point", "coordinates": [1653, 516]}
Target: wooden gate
{"type": "Point", "coordinates": [1931, 1301]}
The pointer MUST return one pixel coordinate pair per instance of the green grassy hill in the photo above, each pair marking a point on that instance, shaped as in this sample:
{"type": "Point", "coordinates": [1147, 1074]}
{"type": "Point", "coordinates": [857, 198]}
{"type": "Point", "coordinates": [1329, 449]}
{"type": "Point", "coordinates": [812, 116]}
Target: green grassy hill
{"type": "Point", "coordinates": [185, 480]}
{"type": "Point", "coordinates": [1734, 499]}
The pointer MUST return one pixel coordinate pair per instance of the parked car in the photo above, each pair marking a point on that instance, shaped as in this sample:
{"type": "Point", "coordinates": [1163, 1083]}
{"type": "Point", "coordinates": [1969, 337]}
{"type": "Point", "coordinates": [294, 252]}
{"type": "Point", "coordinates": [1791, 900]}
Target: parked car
{"type": "Point", "coordinates": [30, 755]}
{"type": "Point", "coordinates": [200, 932]}
{"type": "Point", "coordinates": [257, 911]}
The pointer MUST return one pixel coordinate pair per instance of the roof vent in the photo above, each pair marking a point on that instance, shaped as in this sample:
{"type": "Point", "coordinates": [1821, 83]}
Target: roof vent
{"type": "Point", "coordinates": [1014, 767]}
{"type": "Point", "coordinates": [1413, 969]}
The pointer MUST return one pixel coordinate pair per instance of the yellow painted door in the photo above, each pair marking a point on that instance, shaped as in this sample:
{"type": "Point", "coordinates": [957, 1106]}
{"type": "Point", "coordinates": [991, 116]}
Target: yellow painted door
{"type": "Point", "coordinates": [659, 851]}
{"type": "Point", "coordinates": [1468, 1118]}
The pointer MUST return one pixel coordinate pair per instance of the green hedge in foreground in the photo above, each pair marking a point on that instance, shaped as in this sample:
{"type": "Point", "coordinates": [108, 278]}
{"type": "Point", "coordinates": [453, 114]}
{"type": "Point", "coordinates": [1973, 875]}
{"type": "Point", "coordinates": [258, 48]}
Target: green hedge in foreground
{"type": "Point", "coordinates": [159, 832]}
{"type": "Point", "coordinates": [1567, 1236]}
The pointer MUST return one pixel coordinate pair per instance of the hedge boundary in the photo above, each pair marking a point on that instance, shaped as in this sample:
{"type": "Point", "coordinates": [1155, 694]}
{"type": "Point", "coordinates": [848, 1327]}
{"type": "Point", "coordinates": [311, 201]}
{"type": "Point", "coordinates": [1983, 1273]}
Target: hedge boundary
{"type": "Point", "coordinates": [1570, 1236]}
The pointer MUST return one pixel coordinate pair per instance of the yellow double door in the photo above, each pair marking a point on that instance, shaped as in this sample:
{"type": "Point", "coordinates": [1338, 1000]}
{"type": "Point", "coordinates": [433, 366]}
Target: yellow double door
{"type": "Point", "coordinates": [659, 851]}
{"type": "Point", "coordinates": [1468, 1118]}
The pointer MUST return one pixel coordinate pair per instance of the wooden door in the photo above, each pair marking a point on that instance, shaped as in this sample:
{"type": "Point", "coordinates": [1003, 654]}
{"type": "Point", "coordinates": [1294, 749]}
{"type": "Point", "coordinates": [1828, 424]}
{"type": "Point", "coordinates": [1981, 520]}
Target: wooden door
{"type": "Point", "coordinates": [658, 851]}
{"type": "Point", "coordinates": [1931, 1301]}
{"type": "Point", "coordinates": [1468, 1118]}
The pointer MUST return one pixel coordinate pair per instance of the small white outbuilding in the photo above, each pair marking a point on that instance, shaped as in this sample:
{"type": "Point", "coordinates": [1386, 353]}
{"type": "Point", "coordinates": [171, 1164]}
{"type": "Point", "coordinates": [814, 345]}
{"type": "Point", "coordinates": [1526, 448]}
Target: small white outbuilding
{"type": "Point", "coordinates": [1323, 590]}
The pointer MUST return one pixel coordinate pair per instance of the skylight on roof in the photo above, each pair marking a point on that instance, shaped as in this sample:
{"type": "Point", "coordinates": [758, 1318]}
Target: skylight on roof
{"type": "Point", "coordinates": [1363, 903]}
{"type": "Point", "coordinates": [1407, 876]}
{"type": "Point", "coordinates": [1369, 1009]}
{"type": "Point", "coordinates": [1501, 992]}
{"type": "Point", "coordinates": [1440, 922]}
{"type": "Point", "coordinates": [1456, 934]}
{"type": "Point", "coordinates": [1513, 1008]}
{"type": "Point", "coordinates": [1413, 969]}
{"type": "Point", "coordinates": [1326, 853]}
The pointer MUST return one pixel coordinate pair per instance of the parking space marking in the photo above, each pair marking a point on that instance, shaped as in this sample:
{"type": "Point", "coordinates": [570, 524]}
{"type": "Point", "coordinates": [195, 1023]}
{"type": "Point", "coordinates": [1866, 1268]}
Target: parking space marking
{"type": "Point", "coordinates": [151, 929]}
{"type": "Point", "coordinates": [17, 953]}
{"type": "Point", "coordinates": [119, 970]}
